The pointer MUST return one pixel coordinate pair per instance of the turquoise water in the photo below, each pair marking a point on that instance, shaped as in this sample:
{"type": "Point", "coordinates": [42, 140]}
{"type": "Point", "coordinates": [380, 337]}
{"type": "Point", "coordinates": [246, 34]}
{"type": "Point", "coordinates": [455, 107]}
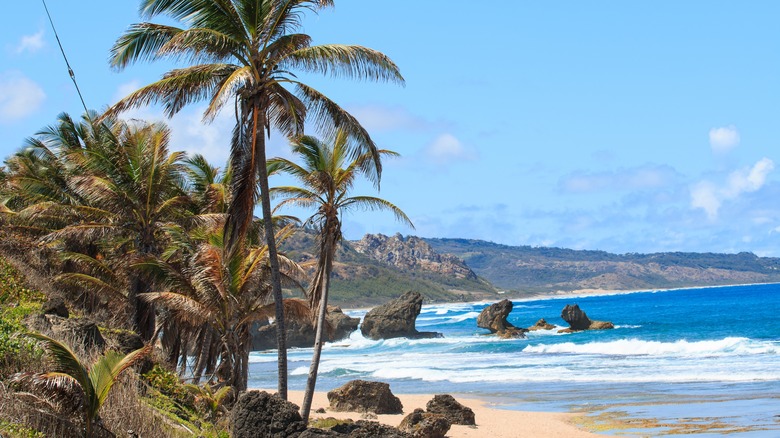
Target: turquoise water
{"type": "Point", "coordinates": [707, 355]}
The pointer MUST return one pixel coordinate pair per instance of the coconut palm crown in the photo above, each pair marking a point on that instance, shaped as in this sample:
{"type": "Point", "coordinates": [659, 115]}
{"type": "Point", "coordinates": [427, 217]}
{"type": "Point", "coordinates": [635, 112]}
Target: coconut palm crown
{"type": "Point", "coordinates": [244, 53]}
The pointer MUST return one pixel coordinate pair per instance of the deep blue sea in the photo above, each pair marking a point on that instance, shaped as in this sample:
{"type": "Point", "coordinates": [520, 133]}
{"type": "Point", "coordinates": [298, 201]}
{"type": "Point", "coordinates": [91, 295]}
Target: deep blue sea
{"type": "Point", "coordinates": [706, 355]}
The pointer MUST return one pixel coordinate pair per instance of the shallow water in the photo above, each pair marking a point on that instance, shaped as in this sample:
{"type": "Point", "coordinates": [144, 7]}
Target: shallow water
{"type": "Point", "coordinates": [708, 355]}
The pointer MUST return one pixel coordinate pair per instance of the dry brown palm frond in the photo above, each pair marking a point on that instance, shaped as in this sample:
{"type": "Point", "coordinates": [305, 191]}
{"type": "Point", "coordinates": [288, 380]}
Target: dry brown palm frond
{"type": "Point", "coordinates": [183, 308]}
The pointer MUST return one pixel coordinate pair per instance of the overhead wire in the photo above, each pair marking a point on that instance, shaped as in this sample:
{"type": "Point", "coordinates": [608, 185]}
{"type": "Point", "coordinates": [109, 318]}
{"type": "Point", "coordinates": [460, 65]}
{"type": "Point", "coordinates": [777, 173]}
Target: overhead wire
{"type": "Point", "coordinates": [70, 70]}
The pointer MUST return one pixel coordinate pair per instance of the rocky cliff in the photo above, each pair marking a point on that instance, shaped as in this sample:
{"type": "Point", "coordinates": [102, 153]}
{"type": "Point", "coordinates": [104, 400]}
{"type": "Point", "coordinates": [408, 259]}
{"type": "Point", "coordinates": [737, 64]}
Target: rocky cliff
{"type": "Point", "coordinates": [412, 253]}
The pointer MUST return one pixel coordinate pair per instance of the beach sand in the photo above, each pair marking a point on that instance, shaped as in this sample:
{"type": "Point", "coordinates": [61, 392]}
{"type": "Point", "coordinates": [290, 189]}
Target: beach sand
{"type": "Point", "coordinates": [491, 422]}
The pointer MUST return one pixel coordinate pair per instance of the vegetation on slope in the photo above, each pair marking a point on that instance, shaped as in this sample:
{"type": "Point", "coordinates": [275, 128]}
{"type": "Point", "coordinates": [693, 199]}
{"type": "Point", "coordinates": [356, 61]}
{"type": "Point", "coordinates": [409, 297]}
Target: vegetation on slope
{"type": "Point", "coordinates": [534, 269]}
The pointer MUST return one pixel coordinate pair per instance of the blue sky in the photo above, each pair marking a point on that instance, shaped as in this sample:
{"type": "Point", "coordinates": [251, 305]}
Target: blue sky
{"type": "Point", "coordinates": [611, 125]}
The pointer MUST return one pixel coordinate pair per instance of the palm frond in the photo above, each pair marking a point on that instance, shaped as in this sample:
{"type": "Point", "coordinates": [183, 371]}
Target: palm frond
{"type": "Point", "coordinates": [177, 88]}
{"type": "Point", "coordinates": [141, 42]}
{"type": "Point", "coordinates": [373, 204]}
{"type": "Point", "coordinates": [104, 373]}
{"type": "Point", "coordinates": [329, 118]}
{"type": "Point", "coordinates": [353, 62]}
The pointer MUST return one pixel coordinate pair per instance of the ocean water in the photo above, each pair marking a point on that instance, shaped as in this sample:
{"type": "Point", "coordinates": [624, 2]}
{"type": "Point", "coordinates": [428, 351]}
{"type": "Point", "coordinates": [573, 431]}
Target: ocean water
{"type": "Point", "coordinates": [704, 361]}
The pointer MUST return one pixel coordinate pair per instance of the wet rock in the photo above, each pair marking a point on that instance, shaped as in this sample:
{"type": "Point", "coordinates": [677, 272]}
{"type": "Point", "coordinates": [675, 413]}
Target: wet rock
{"type": "Point", "coordinates": [365, 396]}
{"type": "Point", "coordinates": [541, 325]}
{"type": "Point", "coordinates": [493, 318]}
{"type": "Point", "coordinates": [396, 319]}
{"type": "Point", "coordinates": [421, 424]}
{"type": "Point", "coordinates": [451, 409]}
{"type": "Point", "coordinates": [578, 320]}
{"type": "Point", "coordinates": [260, 414]}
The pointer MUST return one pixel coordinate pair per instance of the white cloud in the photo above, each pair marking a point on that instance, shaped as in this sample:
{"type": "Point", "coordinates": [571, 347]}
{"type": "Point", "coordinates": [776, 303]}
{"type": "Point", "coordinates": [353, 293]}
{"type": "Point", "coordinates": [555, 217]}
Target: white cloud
{"type": "Point", "coordinates": [446, 148]}
{"type": "Point", "coordinates": [20, 96]}
{"type": "Point", "coordinates": [31, 43]}
{"type": "Point", "coordinates": [724, 139]}
{"type": "Point", "coordinates": [704, 195]}
{"type": "Point", "coordinates": [748, 179]}
{"type": "Point", "coordinates": [636, 178]}
{"type": "Point", "coordinates": [709, 197]}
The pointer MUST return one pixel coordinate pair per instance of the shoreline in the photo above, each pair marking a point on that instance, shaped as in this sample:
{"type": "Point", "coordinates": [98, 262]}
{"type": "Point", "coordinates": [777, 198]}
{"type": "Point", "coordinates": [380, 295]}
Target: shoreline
{"type": "Point", "coordinates": [587, 293]}
{"type": "Point", "coordinates": [491, 421]}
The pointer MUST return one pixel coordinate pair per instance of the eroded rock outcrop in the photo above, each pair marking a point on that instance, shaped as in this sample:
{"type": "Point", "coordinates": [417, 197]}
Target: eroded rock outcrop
{"type": "Point", "coordinates": [395, 319]}
{"type": "Point", "coordinates": [365, 396]}
{"type": "Point", "coordinates": [260, 414]}
{"type": "Point", "coordinates": [451, 409]}
{"type": "Point", "coordinates": [493, 318]}
{"type": "Point", "coordinates": [421, 424]}
{"type": "Point", "coordinates": [409, 253]}
{"type": "Point", "coordinates": [579, 321]}
{"type": "Point", "coordinates": [541, 325]}
{"type": "Point", "coordinates": [301, 333]}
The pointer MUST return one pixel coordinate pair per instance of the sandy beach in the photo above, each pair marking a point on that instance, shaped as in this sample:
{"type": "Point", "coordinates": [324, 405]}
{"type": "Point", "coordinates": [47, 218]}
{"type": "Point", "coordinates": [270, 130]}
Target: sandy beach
{"type": "Point", "coordinates": [491, 422]}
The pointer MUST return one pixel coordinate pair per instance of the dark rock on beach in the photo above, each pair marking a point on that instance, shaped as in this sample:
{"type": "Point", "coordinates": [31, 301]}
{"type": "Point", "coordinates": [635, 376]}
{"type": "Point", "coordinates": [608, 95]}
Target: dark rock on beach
{"type": "Point", "coordinates": [301, 333]}
{"type": "Point", "coordinates": [368, 429]}
{"type": "Point", "coordinates": [260, 414]}
{"type": "Point", "coordinates": [541, 325]}
{"type": "Point", "coordinates": [578, 320]}
{"type": "Point", "coordinates": [365, 396]}
{"type": "Point", "coordinates": [421, 424]}
{"type": "Point", "coordinates": [396, 319]}
{"type": "Point", "coordinates": [456, 413]}
{"type": "Point", "coordinates": [493, 318]}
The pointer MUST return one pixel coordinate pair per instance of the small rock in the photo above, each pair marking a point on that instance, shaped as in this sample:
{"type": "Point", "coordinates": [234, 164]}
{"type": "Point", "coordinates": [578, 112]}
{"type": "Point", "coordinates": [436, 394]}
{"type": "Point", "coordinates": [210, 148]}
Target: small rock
{"type": "Point", "coordinates": [541, 325]}
{"type": "Point", "coordinates": [364, 396]}
{"type": "Point", "coordinates": [421, 424]}
{"type": "Point", "coordinates": [456, 413]}
{"type": "Point", "coordinates": [373, 429]}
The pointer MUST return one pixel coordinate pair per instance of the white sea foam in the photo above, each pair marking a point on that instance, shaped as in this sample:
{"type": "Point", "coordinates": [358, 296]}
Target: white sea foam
{"type": "Point", "coordinates": [632, 347]}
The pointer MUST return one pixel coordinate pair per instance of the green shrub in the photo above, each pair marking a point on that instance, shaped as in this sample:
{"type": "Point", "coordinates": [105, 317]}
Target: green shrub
{"type": "Point", "coordinates": [13, 430]}
{"type": "Point", "coordinates": [12, 288]}
{"type": "Point", "coordinates": [168, 384]}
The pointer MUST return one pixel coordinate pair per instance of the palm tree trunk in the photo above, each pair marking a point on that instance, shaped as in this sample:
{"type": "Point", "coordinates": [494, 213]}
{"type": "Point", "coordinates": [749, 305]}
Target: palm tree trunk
{"type": "Point", "coordinates": [143, 313]}
{"type": "Point", "coordinates": [204, 347]}
{"type": "Point", "coordinates": [326, 255]}
{"type": "Point", "coordinates": [276, 278]}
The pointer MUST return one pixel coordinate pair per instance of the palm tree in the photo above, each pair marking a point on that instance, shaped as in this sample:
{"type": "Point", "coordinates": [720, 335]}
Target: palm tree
{"type": "Point", "coordinates": [327, 178]}
{"type": "Point", "coordinates": [130, 188]}
{"type": "Point", "coordinates": [38, 196]}
{"type": "Point", "coordinates": [71, 377]}
{"type": "Point", "coordinates": [245, 52]}
{"type": "Point", "coordinates": [224, 293]}
{"type": "Point", "coordinates": [103, 193]}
